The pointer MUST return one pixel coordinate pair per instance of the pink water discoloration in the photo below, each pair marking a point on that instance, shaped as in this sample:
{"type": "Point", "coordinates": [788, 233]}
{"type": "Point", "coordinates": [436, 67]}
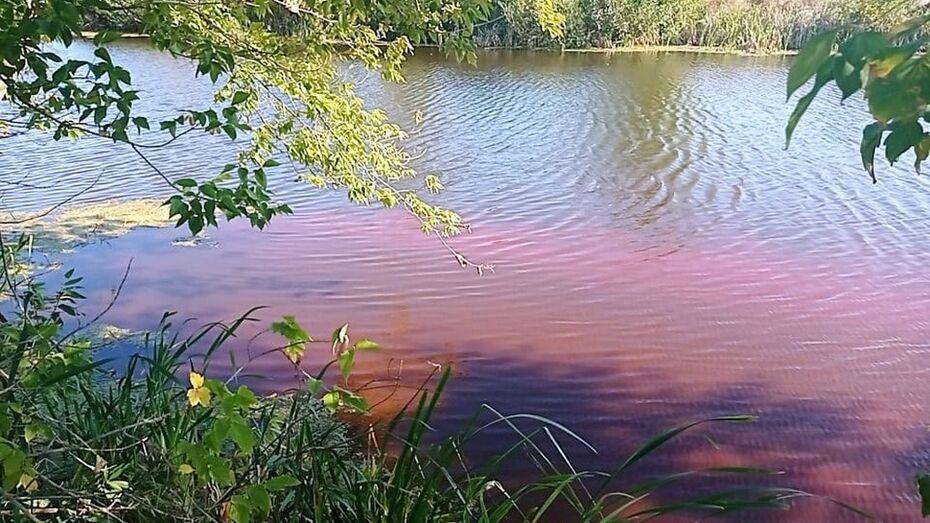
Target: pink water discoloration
{"type": "Point", "coordinates": [659, 258]}
{"type": "Point", "coordinates": [651, 340]}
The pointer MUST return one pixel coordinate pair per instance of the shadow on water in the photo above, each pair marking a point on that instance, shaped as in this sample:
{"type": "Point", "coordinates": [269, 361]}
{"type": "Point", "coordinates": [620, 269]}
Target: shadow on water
{"type": "Point", "coordinates": [806, 439]}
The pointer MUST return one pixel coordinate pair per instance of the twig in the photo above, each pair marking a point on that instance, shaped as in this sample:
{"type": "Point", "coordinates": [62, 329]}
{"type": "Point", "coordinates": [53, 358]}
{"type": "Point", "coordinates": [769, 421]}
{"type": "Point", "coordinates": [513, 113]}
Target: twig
{"type": "Point", "coordinates": [106, 309]}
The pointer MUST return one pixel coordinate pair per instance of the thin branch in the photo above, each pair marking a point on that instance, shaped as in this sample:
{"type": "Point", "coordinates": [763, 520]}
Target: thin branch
{"type": "Point", "coordinates": [106, 309]}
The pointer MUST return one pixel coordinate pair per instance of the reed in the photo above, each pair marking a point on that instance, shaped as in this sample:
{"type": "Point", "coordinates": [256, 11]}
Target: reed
{"type": "Point", "coordinates": [762, 26]}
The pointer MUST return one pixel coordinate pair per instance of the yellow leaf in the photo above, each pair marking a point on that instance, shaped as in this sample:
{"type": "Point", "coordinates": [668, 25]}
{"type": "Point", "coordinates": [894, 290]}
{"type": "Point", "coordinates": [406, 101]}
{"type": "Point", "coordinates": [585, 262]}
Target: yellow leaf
{"type": "Point", "coordinates": [28, 482]}
{"type": "Point", "coordinates": [294, 353]}
{"type": "Point", "coordinates": [196, 380]}
{"type": "Point", "coordinates": [185, 469]}
{"type": "Point", "coordinates": [200, 396]}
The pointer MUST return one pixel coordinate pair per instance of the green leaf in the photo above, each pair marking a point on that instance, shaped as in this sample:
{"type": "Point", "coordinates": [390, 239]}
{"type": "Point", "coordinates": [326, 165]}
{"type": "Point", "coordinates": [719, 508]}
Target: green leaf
{"type": "Point", "coordinates": [195, 224]}
{"type": "Point", "coordinates": [367, 345]}
{"type": "Point", "coordinates": [105, 37]}
{"type": "Point", "coordinates": [244, 397]}
{"type": "Point", "coordinates": [35, 431]}
{"type": "Point", "coordinates": [923, 488]}
{"type": "Point", "coordinates": [810, 59]}
{"type": "Point", "coordinates": [171, 126]}
{"type": "Point", "coordinates": [290, 329]}
{"type": "Point", "coordinates": [261, 501]}
{"type": "Point", "coordinates": [281, 482]}
{"type": "Point", "coordinates": [885, 61]}
{"type": "Point", "coordinates": [140, 122]}
{"type": "Point", "coordinates": [240, 509]}
{"type": "Point", "coordinates": [242, 435]}
{"type": "Point", "coordinates": [354, 401]}
{"type": "Point", "coordinates": [13, 464]}
{"type": "Point", "coordinates": [103, 54]}
{"type": "Point", "coordinates": [220, 471]}
{"type": "Point", "coordinates": [903, 136]}
{"type": "Point", "coordinates": [176, 206]}
{"type": "Point", "coordinates": [859, 47]}
{"type": "Point", "coordinates": [889, 99]}
{"type": "Point", "coordinates": [314, 385]}
{"type": "Point", "coordinates": [240, 97]}
{"type": "Point", "coordinates": [823, 77]}
{"type": "Point", "coordinates": [99, 114]}
{"type": "Point", "coordinates": [216, 435]}
{"type": "Point", "coordinates": [871, 138]}
{"type": "Point", "coordinates": [331, 400]}
{"type": "Point", "coordinates": [346, 362]}
{"type": "Point", "coordinates": [118, 485]}
{"type": "Point", "coordinates": [847, 77]}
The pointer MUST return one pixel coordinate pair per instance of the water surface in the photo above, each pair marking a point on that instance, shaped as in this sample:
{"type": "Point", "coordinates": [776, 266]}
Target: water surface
{"type": "Point", "coordinates": [659, 258]}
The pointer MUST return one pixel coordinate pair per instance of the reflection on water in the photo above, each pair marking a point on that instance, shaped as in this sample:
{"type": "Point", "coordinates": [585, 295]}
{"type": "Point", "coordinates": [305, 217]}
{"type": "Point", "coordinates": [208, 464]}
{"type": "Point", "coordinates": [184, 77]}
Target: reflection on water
{"type": "Point", "coordinates": [659, 258]}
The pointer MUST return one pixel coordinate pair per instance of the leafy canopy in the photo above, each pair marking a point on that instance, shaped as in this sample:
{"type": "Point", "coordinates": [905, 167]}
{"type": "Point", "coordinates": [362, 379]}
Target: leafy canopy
{"type": "Point", "coordinates": [279, 93]}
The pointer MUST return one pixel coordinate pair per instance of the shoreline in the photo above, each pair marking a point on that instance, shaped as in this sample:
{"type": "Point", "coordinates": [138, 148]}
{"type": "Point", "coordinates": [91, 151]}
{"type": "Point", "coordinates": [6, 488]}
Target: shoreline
{"type": "Point", "coordinates": [89, 35]}
{"type": "Point", "coordinates": [689, 49]}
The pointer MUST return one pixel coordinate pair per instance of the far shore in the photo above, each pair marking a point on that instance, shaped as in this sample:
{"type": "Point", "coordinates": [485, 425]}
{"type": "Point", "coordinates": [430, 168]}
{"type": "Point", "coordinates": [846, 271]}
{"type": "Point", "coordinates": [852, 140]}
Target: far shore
{"type": "Point", "coordinates": [696, 49]}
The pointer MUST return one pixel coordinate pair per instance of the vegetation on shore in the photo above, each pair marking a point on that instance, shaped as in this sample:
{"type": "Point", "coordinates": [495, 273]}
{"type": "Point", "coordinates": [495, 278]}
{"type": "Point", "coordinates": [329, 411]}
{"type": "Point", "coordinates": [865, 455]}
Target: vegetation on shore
{"type": "Point", "coordinates": [755, 26]}
{"type": "Point", "coordinates": [764, 26]}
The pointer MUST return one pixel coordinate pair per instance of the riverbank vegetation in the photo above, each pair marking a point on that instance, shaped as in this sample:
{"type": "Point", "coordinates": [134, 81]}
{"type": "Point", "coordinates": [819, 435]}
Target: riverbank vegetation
{"type": "Point", "coordinates": [764, 26]}
{"type": "Point", "coordinates": [761, 26]}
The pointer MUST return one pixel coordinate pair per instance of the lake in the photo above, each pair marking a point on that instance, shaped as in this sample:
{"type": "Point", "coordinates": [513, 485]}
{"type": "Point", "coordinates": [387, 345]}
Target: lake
{"type": "Point", "coordinates": [659, 257]}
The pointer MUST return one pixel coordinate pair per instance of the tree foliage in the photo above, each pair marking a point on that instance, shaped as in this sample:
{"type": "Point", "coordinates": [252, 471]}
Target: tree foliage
{"type": "Point", "coordinates": [279, 92]}
{"type": "Point", "coordinates": [893, 73]}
